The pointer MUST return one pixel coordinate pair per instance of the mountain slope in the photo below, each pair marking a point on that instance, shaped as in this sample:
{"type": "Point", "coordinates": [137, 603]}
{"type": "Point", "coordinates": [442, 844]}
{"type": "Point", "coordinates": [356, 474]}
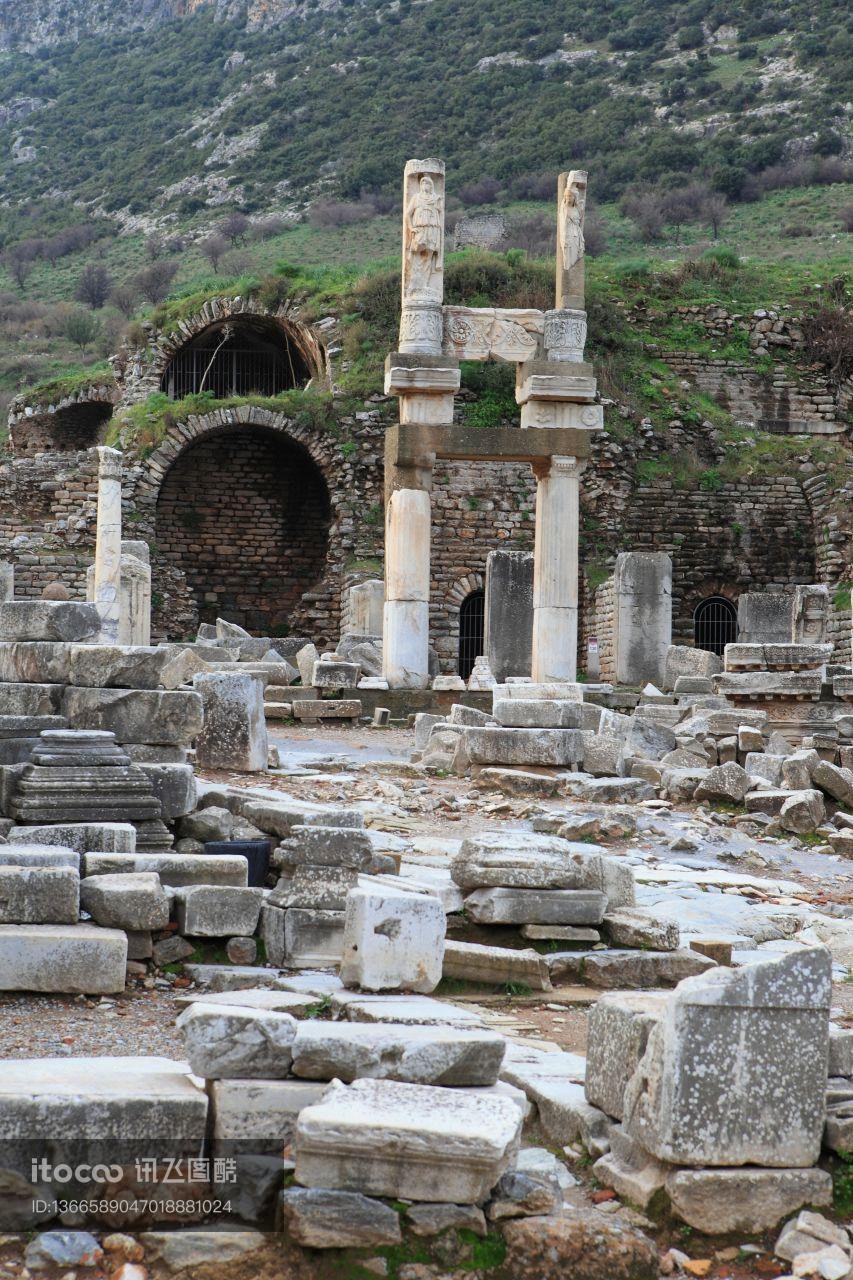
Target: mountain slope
{"type": "Point", "coordinates": [175, 106]}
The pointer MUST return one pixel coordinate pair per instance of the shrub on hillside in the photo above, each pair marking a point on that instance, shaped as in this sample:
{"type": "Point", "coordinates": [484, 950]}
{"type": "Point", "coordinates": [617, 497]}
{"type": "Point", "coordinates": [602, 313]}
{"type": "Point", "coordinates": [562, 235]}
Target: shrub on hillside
{"type": "Point", "coordinates": [339, 213]}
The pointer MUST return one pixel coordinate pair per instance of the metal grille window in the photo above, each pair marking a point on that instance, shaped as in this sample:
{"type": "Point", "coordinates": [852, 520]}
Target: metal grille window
{"type": "Point", "coordinates": [471, 631]}
{"type": "Point", "coordinates": [239, 358]}
{"type": "Point", "coordinates": [714, 624]}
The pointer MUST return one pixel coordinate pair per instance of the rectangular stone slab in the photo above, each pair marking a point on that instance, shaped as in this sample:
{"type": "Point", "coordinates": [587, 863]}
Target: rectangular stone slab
{"type": "Point", "coordinates": [536, 906]}
{"type": "Point", "coordinates": [405, 1140]}
{"type": "Point", "coordinates": [172, 717]}
{"type": "Point", "coordinates": [38, 855]}
{"type": "Point", "coordinates": [62, 958]}
{"type": "Point", "coordinates": [174, 869]}
{"type": "Point", "coordinates": [735, 1070]}
{"type": "Point", "coordinates": [618, 1030]}
{"type": "Point", "coordinates": [561, 748]}
{"type": "Point", "coordinates": [384, 1051]}
{"type": "Point", "coordinates": [495, 965]}
{"type": "Point", "coordinates": [39, 895]}
{"type": "Point", "coordinates": [61, 620]}
{"type": "Point", "coordinates": [83, 837]}
{"type": "Point", "coordinates": [259, 1115]}
{"type": "Point", "coordinates": [30, 699]}
{"type": "Point", "coordinates": [524, 861]}
{"type": "Point", "coordinates": [218, 911]}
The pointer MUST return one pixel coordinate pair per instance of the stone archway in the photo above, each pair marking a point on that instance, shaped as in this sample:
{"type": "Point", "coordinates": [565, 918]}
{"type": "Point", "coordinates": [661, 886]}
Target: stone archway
{"type": "Point", "coordinates": [240, 355]}
{"type": "Point", "coordinates": [244, 513]}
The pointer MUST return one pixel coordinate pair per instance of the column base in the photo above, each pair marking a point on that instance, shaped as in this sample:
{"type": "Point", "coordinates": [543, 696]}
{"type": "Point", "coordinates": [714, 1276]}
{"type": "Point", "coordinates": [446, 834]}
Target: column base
{"type": "Point", "coordinates": [405, 644]}
{"type": "Point", "coordinates": [555, 644]}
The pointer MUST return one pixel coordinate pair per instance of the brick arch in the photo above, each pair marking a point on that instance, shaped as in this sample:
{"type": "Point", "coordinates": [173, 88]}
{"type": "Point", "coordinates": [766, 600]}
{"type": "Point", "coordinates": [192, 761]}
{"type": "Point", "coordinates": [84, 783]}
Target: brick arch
{"type": "Point", "coordinates": [460, 590]}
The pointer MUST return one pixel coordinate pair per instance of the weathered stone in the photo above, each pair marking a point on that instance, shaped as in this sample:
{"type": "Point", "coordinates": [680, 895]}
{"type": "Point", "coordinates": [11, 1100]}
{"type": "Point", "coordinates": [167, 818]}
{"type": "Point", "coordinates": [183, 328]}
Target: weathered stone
{"type": "Point", "coordinates": [135, 901]}
{"type": "Point", "coordinates": [648, 739]}
{"type": "Point", "coordinates": [642, 627]}
{"type": "Point", "coordinates": [174, 785]}
{"type": "Point", "coordinates": [685, 685]}
{"type": "Point", "coordinates": [62, 620]}
{"type": "Point", "coordinates": [770, 684]}
{"type": "Point", "coordinates": [725, 782]}
{"type": "Point", "coordinates": [63, 1249]}
{"type": "Point", "coordinates": [837, 783]}
{"type": "Point", "coordinates": [39, 895]}
{"type": "Point", "coordinates": [174, 869]}
{"type": "Point", "coordinates": [684, 661]}
{"type": "Point", "coordinates": [583, 1244]}
{"type": "Point", "coordinates": [797, 770]}
{"type": "Point", "coordinates": [517, 713]}
{"type": "Point", "coordinates": [37, 855]}
{"type": "Point", "coordinates": [225, 1042]}
{"type": "Point", "coordinates": [259, 1114]}
{"type": "Point", "coordinates": [313, 710]}
{"type": "Point", "coordinates": [311, 938]}
{"type": "Point", "coordinates": [536, 906]}
{"type": "Point", "coordinates": [558, 747]}
{"type": "Point", "coordinates": [328, 846]}
{"type": "Point", "coordinates": [172, 717]}
{"type": "Point", "coordinates": [217, 911]}
{"type": "Point", "coordinates": [419, 1055]}
{"type": "Point", "coordinates": [617, 1034]}
{"type": "Point", "coordinates": [758, 764]}
{"type": "Point", "coordinates": [806, 1233]}
{"type": "Point", "coordinates": [495, 965]}
{"type": "Point", "coordinates": [719, 1201]}
{"type": "Point", "coordinates": [635, 928]}
{"type": "Point", "coordinates": [433, 1219]}
{"type": "Point", "coordinates": [603, 754]}
{"type": "Point", "coordinates": [183, 1251]}
{"type": "Point", "coordinates": [406, 1140]}
{"type": "Point", "coordinates": [802, 811]}
{"type": "Point", "coordinates": [62, 958]}
{"type": "Point", "coordinates": [626, 969]}
{"type": "Point", "coordinates": [610, 790]}
{"type": "Point", "coordinates": [321, 888]}
{"type": "Point", "coordinates": [724, 1039]}
{"type": "Point", "coordinates": [234, 732]}
{"type": "Point", "coordinates": [105, 666]}
{"type": "Point", "coordinates": [30, 699]}
{"type": "Point", "coordinates": [559, 933]}
{"type": "Point", "coordinates": [393, 939]}
{"type": "Point", "coordinates": [765, 617]}
{"type": "Point", "coordinates": [841, 1051]}
{"type": "Point", "coordinates": [322, 1219]}
{"type": "Point", "coordinates": [630, 1171]}
{"type": "Point", "coordinates": [522, 861]}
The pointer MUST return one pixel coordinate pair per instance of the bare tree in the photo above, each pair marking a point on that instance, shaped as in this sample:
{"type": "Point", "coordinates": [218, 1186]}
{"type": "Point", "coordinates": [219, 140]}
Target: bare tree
{"type": "Point", "coordinates": [154, 246]}
{"type": "Point", "coordinates": [19, 260]}
{"type": "Point", "coordinates": [715, 210]}
{"type": "Point", "coordinates": [235, 226]}
{"type": "Point", "coordinates": [153, 282]}
{"type": "Point", "coordinates": [94, 286]}
{"type": "Point", "coordinates": [124, 298]}
{"type": "Point", "coordinates": [646, 210]}
{"type": "Point", "coordinates": [213, 248]}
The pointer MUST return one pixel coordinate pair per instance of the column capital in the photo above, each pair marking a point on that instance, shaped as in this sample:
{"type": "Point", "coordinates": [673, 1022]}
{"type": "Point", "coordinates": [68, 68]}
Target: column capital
{"type": "Point", "coordinates": [109, 463]}
{"type": "Point", "coordinates": [558, 465]}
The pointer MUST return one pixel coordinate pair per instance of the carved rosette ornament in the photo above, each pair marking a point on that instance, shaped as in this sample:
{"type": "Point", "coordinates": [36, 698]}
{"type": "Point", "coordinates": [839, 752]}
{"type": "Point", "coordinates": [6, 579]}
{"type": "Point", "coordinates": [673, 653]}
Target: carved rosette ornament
{"type": "Point", "coordinates": [565, 335]}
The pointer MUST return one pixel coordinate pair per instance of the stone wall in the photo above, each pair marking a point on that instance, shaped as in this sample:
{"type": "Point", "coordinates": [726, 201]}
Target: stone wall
{"type": "Point", "coordinates": [601, 626]}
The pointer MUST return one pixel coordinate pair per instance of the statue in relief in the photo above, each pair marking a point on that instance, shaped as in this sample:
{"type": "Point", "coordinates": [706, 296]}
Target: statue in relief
{"type": "Point", "coordinates": [572, 208]}
{"type": "Point", "coordinates": [424, 234]}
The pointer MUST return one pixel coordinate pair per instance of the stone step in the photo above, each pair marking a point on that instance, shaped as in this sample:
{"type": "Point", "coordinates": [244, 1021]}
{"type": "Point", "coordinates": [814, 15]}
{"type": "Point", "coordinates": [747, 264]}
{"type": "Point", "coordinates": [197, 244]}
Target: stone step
{"type": "Point", "coordinates": [78, 958]}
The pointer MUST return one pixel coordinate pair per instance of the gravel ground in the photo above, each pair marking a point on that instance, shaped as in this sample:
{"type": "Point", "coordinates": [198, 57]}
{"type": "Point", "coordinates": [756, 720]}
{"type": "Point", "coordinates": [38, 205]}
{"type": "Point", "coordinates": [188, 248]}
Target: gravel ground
{"type": "Point", "coordinates": [139, 1022]}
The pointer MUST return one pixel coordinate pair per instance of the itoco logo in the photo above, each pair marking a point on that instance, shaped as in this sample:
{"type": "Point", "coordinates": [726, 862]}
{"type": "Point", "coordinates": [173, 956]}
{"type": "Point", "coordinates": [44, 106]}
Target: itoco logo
{"type": "Point", "coordinates": [43, 1171]}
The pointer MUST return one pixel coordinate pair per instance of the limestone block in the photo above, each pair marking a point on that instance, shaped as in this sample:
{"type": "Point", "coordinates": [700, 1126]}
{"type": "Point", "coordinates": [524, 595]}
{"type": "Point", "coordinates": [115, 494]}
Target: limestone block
{"type": "Point", "coordinates": [630, 1171]}
{"type": "Point", "coordinates": [365, 607]}
{"type": "Point", "coordinates": [495, 965]}
{"type": "Point", "coordinates": [135, 901]}
{"type": "Point", "coordinates": [685, 685]}
{"type": "Point", "coordinates": [106, 666]}
{"type": "Point", "coordinates": [76, 958]}
{"type": "Point", "coordinates": [321, 888]}
{"type": "Point", "coordinates": [407, 1140]}
{"type": "Point", "coordinates": [225, 1042]}
{"type": "Point", "coordinates": [419, 1055]}
{"type": "Point", "coordinates": [312, 710]}
{"type": "Point", "coordinates": [258, 1115]}
{"type": "Point", "coordinates": [39, 895]}
{"type": "Point", "coordinates": [316, 845]}
{"type": "Point", "coordinates": [603, 754]}
{"type": "Point", "coordinates": [682, 660]}
{"type": "Point", "coordinates": [30, 699]}
{"type": "Point", "coordinates": [765, 617]}
{"type": "Point", "coordinates": [462, 715]}
{"type": "Point", "coordinates": [424, 723]}
{"type": "Point", "coordinates": [34, 662]}
{"type": "Point", "coordinates": [393, 939]}
{"type": "Point", "coordinates": [642, 616]}
{"type": "Point", "coordinates": [626, 969]}
{"type": "Point", "coordinates": [37, 855]}
{"type": "Point", "coordinates": [175, 870]}
{"type": "Point", "coordinates": [725, 1039]}
{"type": "Point", "coordinates": [724, 782]}
{"type": "Point", "coordinates": [63, 620]}
{"type": "Point", "coordinates": [174, 785]}
{"type": "Point", "coordinates": [759, 764]}
{"type": "Point", "coordinates": [405, 643]}
{"type": "Point", "coordinates": [312, 938]}
{"type": "Point", "coordinates": [841, 1051]}
{"type": "Point", "coordinates": [536, 906]}
{"type": "Point", "coordinates": [770, 684]}
{"type": "Point", "coordinates": [719, 1201]}
{"type": "Point", "coordinates": [518, 713]}
{"type": "Point", "coordinates": [508, 630]}
{"type": "Point", "coordinates": [802, 811]}
{"type": "Point", "coordinates": [837, 783]}
{"type": "Point", "coordinates": [633, 928]}
{"type": "Point", "coordinates": [522, 861]}
{"type": "Point", "coordinates": [212, 911]}
{"type": "Point", "coordinates": [618, 1028]}
{"type": "Point", "coordinates": [797, 770]}
{"type": "Point", "coordinates": [554, 691]}
{"type": "Point", "coordinates": [234, 730]}
{"type": "Point", "coordinates": [335, 675]}
{"type": "Point", "coordinates": [559, 747]}
{"type": "Point", "coordinates": [171, 717]}
{"type": "Point", "coordinates": [806, 1233]}
{"type": "Point", "coordinates": [780, 656]}
{"type": "Point", "coordinates": [648, 739]}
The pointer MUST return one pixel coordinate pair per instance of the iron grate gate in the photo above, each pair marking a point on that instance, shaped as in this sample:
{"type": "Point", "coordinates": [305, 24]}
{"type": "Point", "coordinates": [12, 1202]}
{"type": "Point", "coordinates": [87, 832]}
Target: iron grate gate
{"type": "Point", "coordinates": [472, 614]}
{"type": "Point", "coordinates": [714, 624]}
{"type": "Point", "coordinates": [233, 371]}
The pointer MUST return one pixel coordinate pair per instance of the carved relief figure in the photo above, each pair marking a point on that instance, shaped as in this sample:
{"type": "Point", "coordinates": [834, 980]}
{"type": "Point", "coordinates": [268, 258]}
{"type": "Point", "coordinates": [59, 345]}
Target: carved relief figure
{"type": "Point", "coordinates": [424, 233]}
{"type": "Point", "coordinates": [572, 208]}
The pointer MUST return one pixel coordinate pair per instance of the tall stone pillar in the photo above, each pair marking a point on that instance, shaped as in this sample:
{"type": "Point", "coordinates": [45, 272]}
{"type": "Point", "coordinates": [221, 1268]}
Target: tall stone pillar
{"type": "Point", "coordinates": [555, 570]}
{"type": "Point", "coordinates": [421, 320]}
{"type": "Point", "coordinates": [405, 630]}
{"type": "Point", "coordinates": [107, 586]}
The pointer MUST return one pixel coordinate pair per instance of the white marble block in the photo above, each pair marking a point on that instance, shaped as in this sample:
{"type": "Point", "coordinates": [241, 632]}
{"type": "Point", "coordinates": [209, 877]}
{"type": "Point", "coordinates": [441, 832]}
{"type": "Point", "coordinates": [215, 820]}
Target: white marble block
{"type": "Point", "coordinates": [393, 940]}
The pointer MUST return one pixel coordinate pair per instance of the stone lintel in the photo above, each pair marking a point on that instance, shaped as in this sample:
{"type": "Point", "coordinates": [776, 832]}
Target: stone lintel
{"type": "Point", "coordinates": [554, 380]}
{"type": "Point", "coordinates": [426, 375]}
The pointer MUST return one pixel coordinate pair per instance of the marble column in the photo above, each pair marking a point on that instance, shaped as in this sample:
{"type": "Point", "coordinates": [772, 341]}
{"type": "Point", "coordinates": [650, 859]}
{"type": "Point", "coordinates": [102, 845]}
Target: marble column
{"type": "Point", "coordinates": [421, 320]}
{"type": "Point", "coordinates": [107, 585]}
{"type": "Point", "coordinates": [7, 581]}
{"type": "Point", "coordinates": [555, 570]}
{"type": "Point", "coordinates": [405, 630]}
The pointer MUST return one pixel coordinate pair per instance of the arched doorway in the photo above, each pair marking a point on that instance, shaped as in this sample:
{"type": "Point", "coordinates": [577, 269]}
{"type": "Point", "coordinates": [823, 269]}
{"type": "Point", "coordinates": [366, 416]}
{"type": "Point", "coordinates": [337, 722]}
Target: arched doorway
{"type": "Point", "coordinates": [471, 631]}
{"type": "Point", "coordinates": [245, 515]}
{"type": "Point", "coordinates": [244, 355]}
{"type": "Point", "coordinates": [714, 624]}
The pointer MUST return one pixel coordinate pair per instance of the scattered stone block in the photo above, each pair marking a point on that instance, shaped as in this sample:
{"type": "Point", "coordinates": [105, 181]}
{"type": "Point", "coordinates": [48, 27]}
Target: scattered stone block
{"type": "Point", "coordinates": [170, 717]}
{"type": "Point", "coordinates": [174, 785]}
{"type": "Point", "coordinates": [72, 959]}
{"type": "Point", "coordinates": [39, 895]}
{"type": "Point", "coordinates": [696, 685]}
{"type": "Point", "coordinates": [258, 1115]}
{"type": "Point", "coordinates": [225, 1042]}
{"type": "Point", "coordinates": [434, 1219]}
{"type": "Point", "coordinates": [37, 855]}
{"type": "Point", "coordinates": [136, 901]}
{"type": "Point", "coordinates": [316, 845]}
{"type": "Point", "coordinates": [446, 1056]}
{"type": "Point", "coordinates": [724, 1039]}
{"type": "Point", "coordinates": [727, 782]}
{"type": "Point", "coordinates": [634, 928]}
{"type": "Point", "coordinates": [802, 811]}
{"type": "Point", "coordinates": [495, 966]}
{"type": "Point", "coordinates": [720, 1201]}
{"type": "Point", "coordinates": [603, 754]}
{"type": "Point", "coordinates": [759, 764]}
{"type": "Point", "coordinates": [639, 970]}
{"type": "Point", "coordinates": [559, 933]}
{"type": "Point", "coordinates": [837, 783]}
{"type": "Point", "coordinates": [519, 713]}
{"type": "Point", "coordinates": [60, 620]}
{"type": "Point", "coordinates": [329, 674]}
{"type": "Point", "coordinates": [807, 1233]}
{"type": "Point", "coordinates": [320, 1219]}
{"type": "Point", "coordinates": [619, 1025]}
{"type": "Point", "coordinates": [393, 939]}
{"type": "Point", "coordinates": [214, 911]}
{"type": "Point", "coordinates": [408, 1141]}
{"type": "Point", "coordinates": [174, 869]}
{"type": "Point", "coordinates": [234, 731]}
{"type": "Point", "coordinates": [582, 1243]}
{"type": "Point", "coordinates": [648, 739]}
{"type": "Point", "coordinates": [682, 660]}
{"type": "Point", "coordinates": [536, 906]}
{"type": "Point", "coordinates": [312, 938]}
{"type": "Point", "coordinates": [630, 1171]}
{"type": "Point", "coordinates": [522, 861]}
{"type": "Point", "coordinates": [561, 748]}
